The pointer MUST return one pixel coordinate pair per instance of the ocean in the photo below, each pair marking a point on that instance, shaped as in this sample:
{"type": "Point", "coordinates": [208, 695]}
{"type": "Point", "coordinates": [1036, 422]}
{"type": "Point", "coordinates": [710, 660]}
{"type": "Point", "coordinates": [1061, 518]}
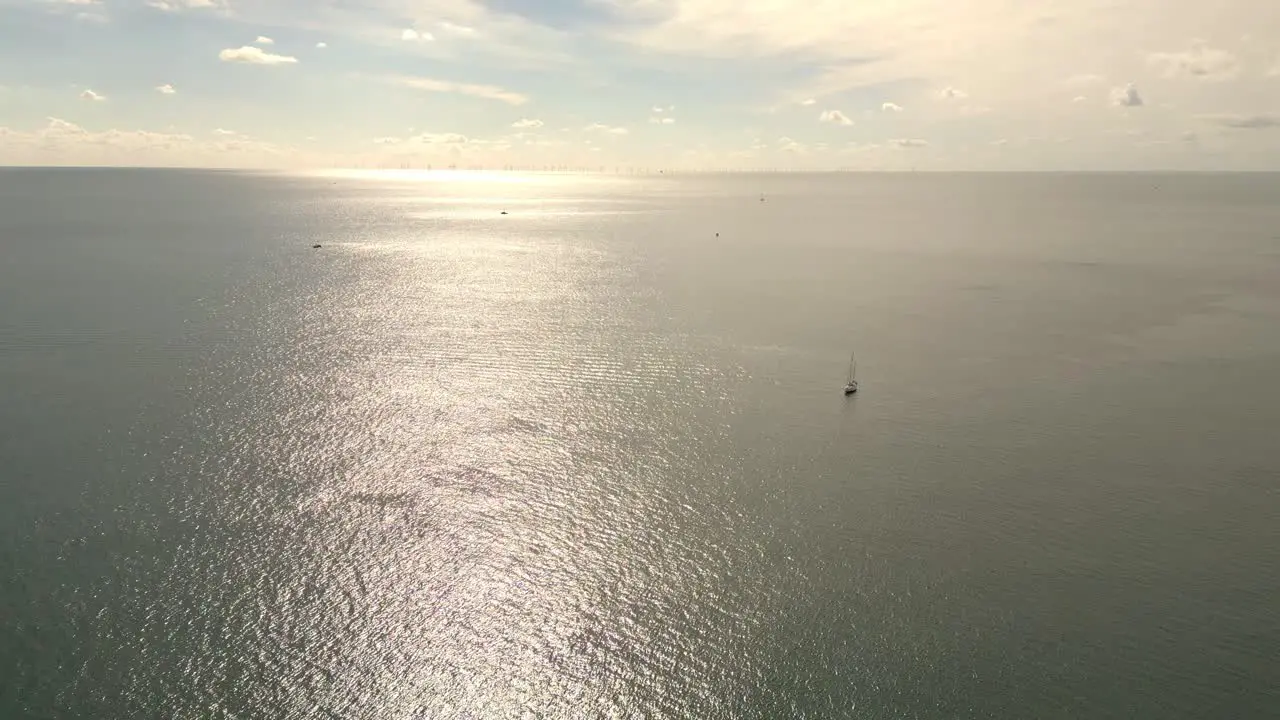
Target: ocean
{"type": "Point", "coordinates": [591, 458]}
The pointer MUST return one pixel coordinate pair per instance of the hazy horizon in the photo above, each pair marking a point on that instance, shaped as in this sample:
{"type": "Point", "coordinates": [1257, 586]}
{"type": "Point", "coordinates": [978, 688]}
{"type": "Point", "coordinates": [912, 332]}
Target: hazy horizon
{"type": "Point", "coordinates": [655, 171]}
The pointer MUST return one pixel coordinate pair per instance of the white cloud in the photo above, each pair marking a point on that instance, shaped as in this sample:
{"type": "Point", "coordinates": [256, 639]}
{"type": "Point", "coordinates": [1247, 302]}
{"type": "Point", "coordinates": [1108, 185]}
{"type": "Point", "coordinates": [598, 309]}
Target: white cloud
{"type": "Point", "coordinates": [440, 139]}
{"type": "Point", "coordinates": [254, 56]}
{"type": "Point", "coordinates": [525, 123]}
{"type": "Point", "coordinates": [264, 40]}
{"type": "Point", "coordinates": [909, 143]}
{"type": "Point", "coordinates": [1263, 121]}
{"type": "Point", "coordinates": [450, 147]}
{"type": "Point", "coordinates": [411, 35]}
{"type": "Point", "coordinates": [1127, 96]}
{"type": "Point", "coordinates": [177, 5]}
{"type": "Point", "coordinates": [1027, 62]}
{"type": "Point", "coordinates": [834, 117]}
{"type": "Point", "coordinates": [1008, 52]}
{"type": "Point", "coordinates": [950, 93]}
{"type": "Point", "coordinates": [787, 145]}
{"type": "Point", "coordinates": [456, 29]}
{"type": "Point", "coordinates": [1200, 62]}
{"type": "Point", "coordinates": [226, 133]}
{"type": "Point", "coordinates": [321, 45]}
{"type": "Point", "coordinates": [166, 89]}
{"type": "Point", "coordinates": [442, 29]}
{"type": "Point", "coordinates": [1011, 55]}
{"type": "Point", "coordinates": [61, 142]}
{"type": "Point", "coordinates": [91, 95]}
{"type": "Point", "coordinates": [602, 128]}
{"type": "Point", "coordinates": [662, 120]}
{"type": "Point", "coordinates": [487, 92]}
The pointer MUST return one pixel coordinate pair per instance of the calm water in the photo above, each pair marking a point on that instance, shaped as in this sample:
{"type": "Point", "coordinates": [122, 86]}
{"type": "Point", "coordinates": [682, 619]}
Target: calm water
{"type": "Point", "coordinates": [588, 459]}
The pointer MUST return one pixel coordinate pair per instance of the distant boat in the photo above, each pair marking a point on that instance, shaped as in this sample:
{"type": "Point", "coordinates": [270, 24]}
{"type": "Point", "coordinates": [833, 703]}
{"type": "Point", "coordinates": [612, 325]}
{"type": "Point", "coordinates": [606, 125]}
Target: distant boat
{"type": "Point", "coordinates": [851, 386]}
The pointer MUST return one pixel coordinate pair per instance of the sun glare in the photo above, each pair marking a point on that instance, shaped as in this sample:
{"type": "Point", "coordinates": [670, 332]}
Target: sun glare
{"type": "Point", "coordinates": [449, 176]}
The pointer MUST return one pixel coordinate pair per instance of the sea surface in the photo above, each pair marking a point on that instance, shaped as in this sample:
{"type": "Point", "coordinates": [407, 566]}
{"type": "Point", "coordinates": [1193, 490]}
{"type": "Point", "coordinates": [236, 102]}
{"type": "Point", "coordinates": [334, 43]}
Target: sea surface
{"type": "Point", "coordinates": [591, 458]}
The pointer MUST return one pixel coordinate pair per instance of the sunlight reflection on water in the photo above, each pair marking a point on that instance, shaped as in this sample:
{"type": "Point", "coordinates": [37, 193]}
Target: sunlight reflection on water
{"type": "Point", "coordinates": [481, 464]}
{"type": "Point", "coordinates": [577, 465]}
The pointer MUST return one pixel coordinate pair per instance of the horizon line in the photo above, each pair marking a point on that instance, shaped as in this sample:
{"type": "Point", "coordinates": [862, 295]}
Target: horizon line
{"type": "Point", "coordinates": [631, 170]}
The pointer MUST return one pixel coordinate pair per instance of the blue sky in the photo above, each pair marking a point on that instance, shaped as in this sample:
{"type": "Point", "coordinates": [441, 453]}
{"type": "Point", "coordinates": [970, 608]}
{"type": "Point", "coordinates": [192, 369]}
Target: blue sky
{"type": "Point", "coordinates": [983, 84]}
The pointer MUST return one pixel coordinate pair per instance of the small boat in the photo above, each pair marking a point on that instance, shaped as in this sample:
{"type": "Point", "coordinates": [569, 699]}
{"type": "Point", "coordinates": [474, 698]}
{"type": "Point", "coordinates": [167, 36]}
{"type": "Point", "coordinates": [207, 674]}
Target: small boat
{"type": "Point", "coordinates": [851, 386]}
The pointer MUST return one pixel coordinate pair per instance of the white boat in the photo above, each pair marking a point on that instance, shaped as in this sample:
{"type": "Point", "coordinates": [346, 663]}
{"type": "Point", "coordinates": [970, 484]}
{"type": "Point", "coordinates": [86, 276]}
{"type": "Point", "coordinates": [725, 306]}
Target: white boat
{"type": "Point", "coordinates": [851, 386]}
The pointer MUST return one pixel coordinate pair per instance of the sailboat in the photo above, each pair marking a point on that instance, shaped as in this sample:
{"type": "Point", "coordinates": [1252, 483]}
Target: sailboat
{"type": "Point", "coordinates": [851, 387]}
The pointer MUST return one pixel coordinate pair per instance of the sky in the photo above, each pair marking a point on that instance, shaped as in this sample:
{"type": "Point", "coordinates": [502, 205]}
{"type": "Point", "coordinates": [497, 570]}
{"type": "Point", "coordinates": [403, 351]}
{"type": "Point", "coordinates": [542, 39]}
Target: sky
{"type": "Point", "coordinates": [679, 84]}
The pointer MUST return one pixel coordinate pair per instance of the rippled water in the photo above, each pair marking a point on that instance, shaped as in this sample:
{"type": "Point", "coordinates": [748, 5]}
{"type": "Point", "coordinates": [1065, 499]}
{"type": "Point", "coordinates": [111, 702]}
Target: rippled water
{"type": "Point", "coordinates": [589, 459]}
